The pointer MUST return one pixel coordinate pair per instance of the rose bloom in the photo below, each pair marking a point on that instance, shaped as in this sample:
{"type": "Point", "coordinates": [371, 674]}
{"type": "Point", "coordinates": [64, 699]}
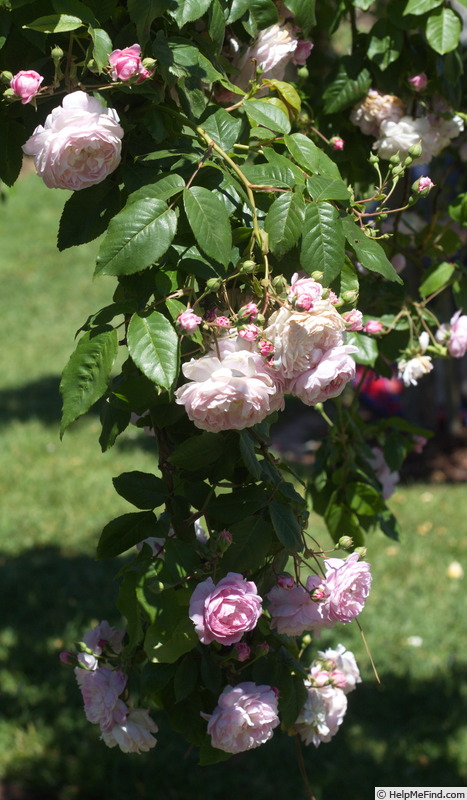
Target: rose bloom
{"type": "Point", "coordinates": [335, 369]}
{"type": "Point", "coordinates": [424, 183]}
{"type": "Point", "coordinates": [415, 368]}
{"type": "Point", "coordinates": [301, 338]}
{"type": "Point", "coordinates": [304, 291]}
{"type": "Point", "coordinates": [133, 734]}
{"type": "Point", "coordinates": [433, 133]}
{"type": "Point", "coordinates": [244, 718]}
{"type": "Point", "coordinates": [344, 661]}
{"type": "Point", "coordinates": [457, 344]}
{"type": "Point", "coordinates": [225, 611]}
{"type": "Point", "coordinates": [274, 48]}
{"type": "Point", "coordinates": [347, 585]}
{"type": "Point", "coordinates": [126, 64]}
{"type": "Point", "coordinates": [386, 477]}
{"type": "Point", "coordinates": [188, 320]}
{"type": "Point", "coordinates": [26, 84]}
{"type": "Point", "coordinates": [232, 389]}
{"type": "Point", "coordinates": [100, 689]}
{"type": "Point", "coordinates": [322, 714]}
{"type": "Point", "coordinates": [353, 320]}
{"type": "Point", "coordinates": [337, 143]}
{"type": "Point", "coordinates": [79, 145]}
{"type": "Point", "coordinates": [374, 109]}
{"type": "Point", "coordinates": [373, 326]}
{"type": "Point", "coordinates": [293, 611]}
{"type": "Point", "coordinates": [102, 636]}
{"type": "Point", "coordinates": [419, 82]}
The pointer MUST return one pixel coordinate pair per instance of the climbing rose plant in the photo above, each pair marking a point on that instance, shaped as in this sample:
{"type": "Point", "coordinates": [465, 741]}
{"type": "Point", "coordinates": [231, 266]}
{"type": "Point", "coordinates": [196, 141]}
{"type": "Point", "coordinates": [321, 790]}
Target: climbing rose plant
{"type": "Point", "coordinates": [257, 197]}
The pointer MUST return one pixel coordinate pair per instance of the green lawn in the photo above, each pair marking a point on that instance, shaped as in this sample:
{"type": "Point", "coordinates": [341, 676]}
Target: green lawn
{"type": "Point", "coordinates": [57, 495]}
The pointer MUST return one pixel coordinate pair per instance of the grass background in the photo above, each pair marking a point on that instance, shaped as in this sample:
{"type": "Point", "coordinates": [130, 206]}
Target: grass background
{"type": "Point", "coordinates": [56, 496]}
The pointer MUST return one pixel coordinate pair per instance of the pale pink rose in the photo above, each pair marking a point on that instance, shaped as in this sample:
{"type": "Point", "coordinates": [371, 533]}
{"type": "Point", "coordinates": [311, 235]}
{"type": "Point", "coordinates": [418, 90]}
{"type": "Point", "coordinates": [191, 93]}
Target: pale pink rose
{"type": "Point", "coordinates": [79, 145]}
{"type": "Point", "coordinates": [338, 679]}
{"type": "Point", "coordinates": [88, 661]}
{"type": "Point", "coordinates": [222, 322]}
{"type": "Point", "coordinates": [126, 64]}
{"type": "Point", "coordinates": [230, 388]}
{"type": "Point", "coordinates": [293, 611]}
{"type": "Point", "coordinates": [373, 326]}
{"type": "Point", "coordinates": [322, 714]}
{"type": "Point", "coordinates": [266, 348]}
{"type": "Point", "coordinates": [337, 143]}
{"type": "Point", "coordinates": [274, 48]}
{"type": "Point", "coordinates": [328, 378]}
{"type": "Point", "coordinates": [133, 734]}
{"type": "Point", "coordinates": [418, 82]}
{"type": "Point", "coordinates": [424, 183]}
{"type": "Point", "coordinates": [26, 84]}
{"type": "Point", "coordinates": [250, 333]}
{"type": "Point", "coordinates": [244, 718]}
{"type": "Point", "coordinates": [345, 663]}
{"type": "Point", "coordinates": [457, 344]}
{"type": "Point", "coordinates": [225, 611]}
{"type": "Point", "coordinates": [103, 636]}
{"type": "Point", "coordinates": [319, 676]}
{"type": "Point", "coordinates": [188, 320]}
{"type": "Point", "coordinates": [301, 338]}
{"type": "Point", "coordinates": [242, 651]}
{"type": "Point", "coordinates": [376, 107]}
{"type": "Point", "coordinates": [353, 320]}
{"type": "Point", "coordinates": [304, 291]}
{"type": "Point", "coordinates": [415, 368]}
{"type": "Point", "coordinates": [347, 586]}
{"type": "Point", "coordinates": [250, 310]}
{"type": "Point", "coordinates": [100, 689]}
{"type": "Point", "coordinates": [386, 477]}
{"type": "Point", "coordinates": [433, 133]}
{"type": "Point", "coordinates": [333, 298]}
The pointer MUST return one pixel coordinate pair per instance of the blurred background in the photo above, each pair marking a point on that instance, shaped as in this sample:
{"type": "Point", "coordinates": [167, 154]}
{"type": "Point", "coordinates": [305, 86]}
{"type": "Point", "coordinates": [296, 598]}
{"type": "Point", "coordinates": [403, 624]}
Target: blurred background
{"type": "Point", "coordinates": [56, 497]}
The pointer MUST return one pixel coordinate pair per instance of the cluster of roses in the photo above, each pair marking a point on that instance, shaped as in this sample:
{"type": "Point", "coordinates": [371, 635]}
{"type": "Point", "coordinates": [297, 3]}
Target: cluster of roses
{"type": "Point", "coordinates": [101, 687]}
{"type": "Point", "coordinates": [452, 335]}
{"type": "Point", "coordinates": [244, 376]}
{"type": "Point", "coordinates": [385, 117]}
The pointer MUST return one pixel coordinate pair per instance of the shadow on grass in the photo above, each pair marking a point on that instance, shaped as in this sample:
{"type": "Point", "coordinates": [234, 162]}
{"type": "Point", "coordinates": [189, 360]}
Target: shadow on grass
{"type": "Point", "coordinates": [400, 733]}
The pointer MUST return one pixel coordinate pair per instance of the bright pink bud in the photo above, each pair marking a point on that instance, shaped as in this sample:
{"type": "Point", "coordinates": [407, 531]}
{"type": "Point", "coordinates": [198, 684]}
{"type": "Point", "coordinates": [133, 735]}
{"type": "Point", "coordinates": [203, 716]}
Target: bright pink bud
{"type": "Point", "coordinates": [25, 84]}
{"type": "Point", "coordinates": [188, 320]}
{"type": "Point", "coordinates": [339, 678]}
{"type": "Point", "coordinates": [424, 183]}
{"type": "Point", "coordinates": [353, 320]}
{"type": "Point", "coordinates": [373, 326]}
{"type": "Point", "coordinates": [320, 677]}
{"type": "Point", "coordinates": [285, 582]}
{"type": "Point", "coordinates": [226, 536]}
{"type": "Point", "coordinates": [222, 322]}
{"type": "Point", "coordinates": [250, 333]}
{"type": "Point", "coordinates": [242, 651]}
{"type": "Point", "coordinates": [67, 657]}
{"type": "Point", "coordinates": [333, 298]}
{"type": "Point", "coordinates": [337, 143]}
{"type": "Point", "coordinates": [249, 310]}
{"type": "Point", "coordinates": [266, 348]}
{"type": "Point", "coordinates": [418, 81]}
{"type": "Point", "coordinates": [318, 594]}
{"type": "Point", "coordinates": [127, 65]}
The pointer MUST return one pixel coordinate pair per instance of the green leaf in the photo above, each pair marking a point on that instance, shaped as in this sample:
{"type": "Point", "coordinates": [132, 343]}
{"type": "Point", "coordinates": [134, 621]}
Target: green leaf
{"type": "Point", "coordinates": [231, 508]}
{"type": "Point", "coordinates": [55, 23]}
{"type": "Point", "coordinates": [11, 156]}
{"type": "Point", "coordinates": [251, 539]}
{"type": "Point", "coordinates": [267, 115]}
{"type": "Point", "coordinates": [304, 14]}
{"type": "Point", "coordinates": [81, 222]}
{"type": "Point", "coordinates": [172, 633]}
{"type": "Point", "coordinates": [141, 489]}
{"type": "Point", "coordinates": [285, 166]}
{"type": "Point", "coordinates": [323, 241]}
{"type": "Point", "coordinates": [77, 9]}
{"type": "Point", "coordinates": [286, 526]}
{"type": "Point", "coordinates": [385, 43]}
{"type": "Point", "coordinates": [284, 222]}
{"type": "Point", "coordinates": [204, 449]}
{"type": "Point", "coordinates": [189, 11]}
{"type": "Point", "coordinates": [163, 189]}
{"type": "Point", "coordinates": [263, 12]}
{"type": "Point", "coordinates": [310, 157]}
{"type": "Point", "coordinates": [344, 90]}
{"type": "Point", "coordinates": [367, 348]}
{"type": "Point", "coordinates": [86, 377]}
{"type": "Point", "coordinates": [125, 532]}
{"type": "Point", "coordinates": [349, 278]}
{"type": "Point", "coordinates": [248, 453]}
{"type": "Point", "coordinates": [137, 237]}
{"type": "Point", "coordinates": [114, 421]}
{"type": "Point", "coordinates": [443, 30]}
{"type": "Point", "coordinates": [236, 9]}
{"type": "Point", "coordinates": [321, 188]}
{"type": "Point", "coordinates": [458, 209]}
{"type": "Point", "coordinates": [369, 252]}
{"type": "Point", "coordinates": [209, 222]}
{"type": "Point", "coordinates": [185, 679]}
{"type": "Point", "coordinates": [102, 46]}
{"type": "Point", "coordinates": [287, 93]}
{"type": "Point", "coordinates": [341, 521]}
{"type": "Point", "coordinates": [437, 278]}
{"type": "Point", "coordinates": [209, 754]}
{"type": "Point", "coordinates": [216, 26]}
{"type": "Point", "coordinates": [364, 499]}
{"type": "Point", "coordinates": [223, 128]}
{"type": "Point", "coordinates": [144, 13]}
{"type": "Point", "coordinates": [154, 347]}
{"type": "Point", "coordinates": [418, 7]}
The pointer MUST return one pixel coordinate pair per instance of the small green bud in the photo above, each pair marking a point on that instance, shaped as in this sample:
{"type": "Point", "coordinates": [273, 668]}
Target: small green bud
{"type": "Point", "coordinates": [345, 542]}
{"type": "Point", "coordinates": [351, 296]}
{"type": "Point", "coordinates": [149, 63]}
{"type": "Point", "coordinates": [395, 159]}
{"type": "Point", "coordinates": [214, 284]}
{"type": "Point", "coordinates": [303, 72]}
{"type": "Point", "coordinates": [8, 93]}
{"type": "Point", "coordinates": [408, 161]}
{"type": "Point", "coordinates": [362, 551]}
{"type": "Point", "coordinates": [57, 53]}
{"type": "Point", "coordinates": [415, 150]}
{"type": "Point", "coordinates": [92, 66]}
{"type": "Point", "coordinates": [247, 266]}
{"type": "Point", "coordinates": [279, 283]}
{"type": "Point", "coordinates": [317, 275]}
{"type": "Point", "coordinates": [6, 76]}
{"type": "Point", "coordinates": [373, 159]}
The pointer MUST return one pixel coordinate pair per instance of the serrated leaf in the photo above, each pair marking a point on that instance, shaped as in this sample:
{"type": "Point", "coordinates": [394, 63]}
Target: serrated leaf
{"type": "Point", "coordinates": [137, 237]}
{"type": "Point", "coordinates": [438, 277]}
{"type": "Point", "coordinates": [369, 252]}
{"type": "Point", "coordinates": [304, 13]}
{"type": "Point", "coordinates": [141, 489]}
{"type": "Point", "coordinates": [267, 115]}
{"type": "Point", "coordinates": [80, 222]}
{"type": "Point", "coordinates": [126, 531]}
{"type": "Point", "coordinates": [385, 43]}
{"type": "Point", "coordinates": [248, 453]}
{"type": "Point", "coordinates": [236, 9]}
{"type": "Point", "coordinates": [102, 46]}
{"type": "Point", "coordinates": [216, 25]}
{"type": "Point", "coordinates": [86, 377]}
{"type": "Point", "coordinates": [163, 189]}
{"type": "Point", "coordinates": [284, 222]}
{"type": "Point", "coordinates": [418, 7]}
{"type": "Point", "coordinates": [323, 242]}
{"type": "Point", "coordinates": [344, 91]}
{"type": "Point", "coordinates": [443, 30]}
{"type": "Point", "coordinates": [55, 23]}
{"type": "Point", "coordinates": [286, 526]}
{"type": "Point", "coordinates": [204, 449]}
{"type": "Point", "coordinates": [251, 540]}
{"type": "Point", "coordinates": [310, 157]}
{"type": "Point", "coordinates": [172, 634]}
{"type": "Point", "coordinates": [209, 222]}
{"type": "Point", "coordinates": [189, 11]}
{"type": "Point", "coordinates": [367, 348]}
{"type": "Point", "coordinates": [286, 91]}
{"type": "Point", "coordinates": [223, 128]}
{"type": "Point", "coordinates": [144, 13]}
{"type": "Point", "coordinates": [323, 188]}
{"type": "Point", "coordinates": [154, 347]}
{"type": "Point", "coordinates": [287, 167]}
{"type": "Point", "coordinates": [231, 508]}
{"type": "Point", "coordinates": [77, 9]}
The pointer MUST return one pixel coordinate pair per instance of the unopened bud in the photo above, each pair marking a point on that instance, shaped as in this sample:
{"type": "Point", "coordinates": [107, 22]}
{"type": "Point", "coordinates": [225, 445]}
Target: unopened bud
{"type": "Point", "coordinates": [395, 159]}
{"type": "Point", "coordinates": [408, 161]}
{"type": "Point", "coordinates": [279, 283]}
{"type": "Point", "coordinates": [262, 649]}
{"type": "Point", "coordinates": [242, 651]}
{"type": "Point", "coordinates": [362, 551]}
{"type": "Point", "coordinates": [9, 93]}
{"type": "Point", "coordinates": [373, 159]}
{"type": "Point", "coordinates": [317, 275]}
{"type": "Point", "coordinates": [303, 72]}
{"type": "Point", "coordinates": [415, 150]}
{"type": "Point", "coordinates": [149, 63]}
{"type": "Point", "coordinates": [345, 542]}
{"type": "Point", "coordinates": [213, 284]}
{"type": "Point", "coordinates": [285, 582]}
{"type": "Point", "coordinates": [220, 542]}
{"type": "Point", "coordinates": [57, 53]}
{"type": "Point", "coordinates": [92, 66]}
{"type": "Point", "coordinates": [67, 657]}
{"type": "Point", "coordinates": [6, 77]}
{"type": "Point", "coordinates": [350, 297]}
{"type": "Point", "coordinates": [247, 266]}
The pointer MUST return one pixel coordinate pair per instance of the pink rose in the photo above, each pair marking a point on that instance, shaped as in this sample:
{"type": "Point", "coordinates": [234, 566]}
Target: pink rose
{"type": "Point", "coordinates": [126, 64]}
{"type": "Point", "coordinates": [225, 611]}
{"type": "Point", "coordinates": [244, 718]}
{"type": "Point", "coordinates": [79, 145]}
{"type": "Point", "coordinates": [133, 734]}
{"type": "Point", "coordinates": [293, 611]}
{"type": "Point", "coordinates": [250, 310]}
{"type": "Point", "coordinates": [346, 665]}
{"type": "Point", "coordinates": [273, 49]}
{"type": "Point", "coordinates": [322, 714]}
{"type": "Point", "coordinates": [353, 320]}
{"type": "Point", "coordinates": [100, 689]}
{"type": "Point", "coordinates": [242, 651]}
{"type": "Point", "coordinates": [233, 391]}
{"type": "Point", "coordinates": [418, 82]}
{"type": "Point", "coordinates": [188, 320]}
{"type": "Point", "coordinates": [328, 378]}
{"type": "Point", "coordinates": [386, 477]}
{"type": "Point", "coordinates": [249, 332]}
{"type": "Point", "coordinates": [424, 183]}
{"type": "Point", "coordinates": [25, 84]}
{"type": "Point", "coordinates": [457, 344]}
{"type": "Point", "coordinates": [102, 636]}
{"type": "Point", "coordinates": [373, 326]}
{"type": "Point", "coordinates": [337, 143]}
{"type": "Point", "coordinates": [347, 586]}
{"type": "Point", "coordinates": [304, 291]}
